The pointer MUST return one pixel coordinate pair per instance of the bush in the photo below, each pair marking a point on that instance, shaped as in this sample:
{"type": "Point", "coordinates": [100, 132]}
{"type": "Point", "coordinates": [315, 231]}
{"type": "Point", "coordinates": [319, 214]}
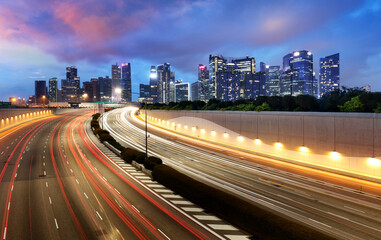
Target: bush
{"type": "Point", "coordinates": [96, 116]}
{"type": "Point", "coordinates": [106, 137]}
{"type": "Point", "coordinates": [140, 158]}
{"type": "Point", "coordinates": [151, 162]}
{"type": "Point", "coordinates": [262, 223]}
{"type": "Point", "coordinates": [99, 131]}
{"type": "Point", "coordinates": [94, 124]}
{"type": "Point", "coordinates": [129, 154]}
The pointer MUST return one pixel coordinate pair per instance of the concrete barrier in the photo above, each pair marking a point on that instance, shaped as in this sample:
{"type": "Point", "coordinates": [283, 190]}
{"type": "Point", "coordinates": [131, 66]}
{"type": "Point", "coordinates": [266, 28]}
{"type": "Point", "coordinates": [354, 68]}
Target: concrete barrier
{"type": "Point", "coordinates": [348, 143]}
{"type": "Point", "coordinates": [12, 117]}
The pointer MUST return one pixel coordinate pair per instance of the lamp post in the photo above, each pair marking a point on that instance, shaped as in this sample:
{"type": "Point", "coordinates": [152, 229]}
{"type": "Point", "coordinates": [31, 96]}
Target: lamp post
{"type": "Point", "coordinates": [43, 99]}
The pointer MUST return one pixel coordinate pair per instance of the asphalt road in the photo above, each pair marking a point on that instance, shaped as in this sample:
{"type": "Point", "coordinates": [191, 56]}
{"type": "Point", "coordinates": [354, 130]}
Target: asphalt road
{"type": "Point", "coordinates": [344, 207]}
{"type": "Point", "coordinates": [55, 183]}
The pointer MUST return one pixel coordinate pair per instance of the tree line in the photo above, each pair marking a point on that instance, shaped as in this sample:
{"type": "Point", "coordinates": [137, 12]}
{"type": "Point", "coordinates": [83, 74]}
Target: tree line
{"type": "Point", "coordinates": [341, 100]}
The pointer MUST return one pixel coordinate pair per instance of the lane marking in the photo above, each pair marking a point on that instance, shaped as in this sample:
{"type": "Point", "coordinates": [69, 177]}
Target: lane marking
{"type": "Point", "coordinates": [77, 181]}
{"type": "Point", "coordinates": [9, 205]}
{"type": "Point", "coordinates": [117, 190]}
{"type": "Point", "coordinates": [5, 232]}
{"type": "Point", "coordinates": [50, 201]}
{"type": "Point", "coordinates": [354, 209]}
{"type": "Point", "coordinates": [46, 184]}
{"type": "Point", "coordinates": [85, 195]}
{"type": "Point", "coordinates": [163, 234]}
{"type": "Point", "coordinates": [99, 215]}
{"type": "Point", "coordinates": [135, 208]}
{"type": "Point", "coordinates": [55, 220]}
{"type": "Point", "coordinates": [319, 222]}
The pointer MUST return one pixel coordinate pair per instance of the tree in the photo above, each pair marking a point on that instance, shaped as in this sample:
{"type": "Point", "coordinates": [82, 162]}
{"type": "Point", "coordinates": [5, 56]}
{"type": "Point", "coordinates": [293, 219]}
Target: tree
{"type": "Point", "coordinates": [264, 107]}
{"type": "Point", "coordinates": [306, 102]}
{"type": "Point", "coordinates": [353, 105]}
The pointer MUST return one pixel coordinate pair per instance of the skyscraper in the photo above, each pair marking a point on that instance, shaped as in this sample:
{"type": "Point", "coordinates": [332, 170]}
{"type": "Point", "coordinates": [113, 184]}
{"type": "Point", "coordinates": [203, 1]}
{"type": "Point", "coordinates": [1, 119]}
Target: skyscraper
{"type": "Point", "coordinates": [126, 82]}
{"type": "Point", "coordinates": [71, 85]}
{"type": "Point", "coordinates": [116, 82]}
{"type": "Point", "coordinates": [181, 92]}
{"type": "Point", "coordinates": [301, 64]}
{"type": "Point", "coordinates": [105, 89]}
{"type": "Point", "coordinates": [153, 84]}
{"type": "Point", "coordinates": [329, 76]}
{"type": "Point", "coordinates": [195, 91]}
{"type": "Point", "coordinates": [216, 65]}
{"type": "Point", "coordinates": [145, 91]}
{"type": "Point", "coordinates": [203, 85]}
{"type": "Point", "coordinates": [53, 90]}
{"type": "Point", "coordinates": [40, 92]}
{"type": "Point", "coordinates": [272, 80]}
{"type": "Point", "coordinates": [163, 82]}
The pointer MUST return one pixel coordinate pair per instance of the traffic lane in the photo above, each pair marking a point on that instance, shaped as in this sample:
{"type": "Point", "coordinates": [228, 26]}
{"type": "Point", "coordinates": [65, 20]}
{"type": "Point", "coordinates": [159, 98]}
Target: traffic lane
{"type": "Point", "coordinates": [104, 167]}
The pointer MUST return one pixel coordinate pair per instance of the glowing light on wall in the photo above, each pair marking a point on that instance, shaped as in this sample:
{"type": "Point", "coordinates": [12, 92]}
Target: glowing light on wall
{"type": "Point", "coordinates": [213, 133]}
{"type": "Point", "coordinates": [179, 125]}
{"type": "Point", "coordinates": [374, 162]}
{"type": "Point", "coordinates": [240, 138]}
{"type": "Point", "coordinates": [226, 134]}
{"type": "Point", "coordinates": [202, 131]}
{"type": "Point", "coordinates": [186, 126]}
{"type": "Point", "coordinates": [335, 155]}
{"type": "Point", "coordinates": [173, 124]}
{"type": "Point", "coordinates": [193, 129]}
{"type": "Point", "coordinates": [304, 149]}
{"type": "Point", "coordinates": [278, 145]}
{"type": "Point", "coordinates": [257, 141]}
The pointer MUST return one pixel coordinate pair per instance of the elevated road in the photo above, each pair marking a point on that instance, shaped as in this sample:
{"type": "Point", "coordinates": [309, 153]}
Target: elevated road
{"type": "Point", "coordinates": [55, 183]}
{"type": "Point", "coordinates": [344, 207]}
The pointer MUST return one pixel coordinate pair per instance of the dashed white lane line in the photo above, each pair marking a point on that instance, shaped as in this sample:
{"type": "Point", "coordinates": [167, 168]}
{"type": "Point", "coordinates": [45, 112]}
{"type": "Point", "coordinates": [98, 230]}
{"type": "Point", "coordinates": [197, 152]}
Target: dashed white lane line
{"type": "Point", "coordinates": [135, 208]}
{"type": "Point", "coordinates": [207, 217]}
{"type": "Point", "coordinates": [12, 188]}
{"type": "Point", "coordinates": [319, 222]}
{"type": "Point", "coordinates": [105, 179]}
{"type": "Point", "coordinates": [181, 202]}
{"type": "Point", "coordinates": [163, 190]}
{"type": "Point", "coordinates": [77, 181]}
{"type": "Point", "coordinates": [16, 175]}
{"type": "Point", "coordinates": [143, 177]}
{"type": "Point", "coordinates": [86, 195]}
{"type": "Point", "coordinates": [163, 234]}
{"type": "Point", "coordinates": [237, 237]}
{"type": "Point", "coordinates": [44, 173]}
{"type": "Point", "coordinates": [46, 184]}
{"type": "Point", "coordinates": [99, 215]}
{"type": "Point", "coordinates": [155, 186]}
{"type": "Point", "coordinates": [5, 232]}
{"type": "Point", "coordinates": [117, 190]}
{"type": "Point", "coordinates": [9, 205]}
{"type": "Point", "coordinates": [192, 209]}
{"type": "Point", "coordinates": [138, 173]}
{"type": "Point", "coordinates": [171, 196]}
{"type": "Point", "coordinates": [55, 220]}
{"type": "Point", "coordinates": [222, 227]}
{"type": "Point", "coordinates": [50, 201]}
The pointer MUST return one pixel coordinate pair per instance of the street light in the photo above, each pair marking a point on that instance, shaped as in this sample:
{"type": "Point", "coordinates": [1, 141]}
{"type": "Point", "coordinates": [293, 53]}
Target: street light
{"type": "Point", "coordinates": [43, 98]}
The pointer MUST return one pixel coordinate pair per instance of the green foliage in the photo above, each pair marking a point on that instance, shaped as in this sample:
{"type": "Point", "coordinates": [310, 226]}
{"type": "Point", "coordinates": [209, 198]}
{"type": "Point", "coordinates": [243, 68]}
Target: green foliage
{"type": "Point", "coordinates": [94, 124]}
{"type": "Point", "coordinates": [140, 158]}
{"type": "Point", "coordinates": [105, 137]}
{"type": "Point", "coordinates": [151, 162]}
{"type": "Point", "coordinates": [262, 223]}
{"type": "Point", "coordinates": [99, 131]}
{"type": "Point", "coordinates": [96, 116]}
{"type": "Point", "coordinates": [264, 107]}
{"type": "Point", "coordinates": [129, 154]}
{"type": "Point", "coordinates": [378, 108]}
{"type": "Point", "coordinates": [353, 105]}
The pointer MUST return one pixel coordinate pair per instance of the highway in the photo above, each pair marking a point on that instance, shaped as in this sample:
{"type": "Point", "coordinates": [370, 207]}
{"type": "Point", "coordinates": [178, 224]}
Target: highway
{"type": "Point", "coordinates": [343, 207]}
{"type": "Point", "coordinates": [55, 183]}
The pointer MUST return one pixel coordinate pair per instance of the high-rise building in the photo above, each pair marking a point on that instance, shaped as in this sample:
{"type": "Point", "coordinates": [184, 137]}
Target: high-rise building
{"type": "Point", "coordinates": [163, 82]}
{"type": "Point", "coordinates": [96, 93]}
{"type": "Point", "coordinates": [262, 67]}
{"type": "Point", "coordinates": [40, 92]}
{"type": "Point", "coordinates": [105, 89]}
{"type": "Point", "coordinates": [116, 83]}
{"type": "Point", "coordinates": [181, 92]}
{"type": "Point", "coordinates": [145, 91]}
{"type": "Point", "coordinates": [91, 91]}
{"type": "Point", "coordinates": [71, 85]}
{"type": "Point", "coordinates": [203, 85]}
{"type": "Point", "coordinates": [195, 91]}
{"type": "Point", "coordinates": [153, 83]}
{"type": "Point", "coordinates": [126, 83]}
{"type": "Point", "coordinates": [216, 65]}
{"type": "Point", "coordinates": [301, 64]}
{"type": "Point", "coordinates": [329, 76]}
{"type": "Point", "coordinates": [52, 95]}
{"type": "Point", "coordinates": [272, 80]}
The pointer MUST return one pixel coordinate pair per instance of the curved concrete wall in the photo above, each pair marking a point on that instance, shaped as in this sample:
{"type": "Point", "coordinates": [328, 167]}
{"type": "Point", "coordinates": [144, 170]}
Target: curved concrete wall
{"type": "Point", "coordinates": [354, 137]}
{"type": "Point", "coordinates": [10, 117]}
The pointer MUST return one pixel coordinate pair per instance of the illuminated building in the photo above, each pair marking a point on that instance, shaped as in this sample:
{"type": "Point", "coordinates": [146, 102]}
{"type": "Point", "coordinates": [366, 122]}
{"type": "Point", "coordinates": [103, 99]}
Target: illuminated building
{"type": "Point", "coordinates": [203, 79]}
{"type": "Point", "coordinates": [181, 92]}
{"type": "Point", "coordinates": [272, 80]}
{"type": "Point", "coordinates": [126, 83]}
{"type": "Point", "coordinates": [329, 76]}
{"type": "Point", "coordinates": [105, 88]}
{"type": "Point", "coordinates": [153, 84]}
{"type": "Point", "coordinates": [40, 92]}
{"type": "Point", "coordinates": [163, 82]}
{"type": "Point", "coordinates": [195, 91]}
{"type": "Point", "coordinates": [71, 85]}
{"type": "Point", "coordinates": [52, 95]}
{"type": "Point", "coordinates": [116, 82]}
{"type": "Point", "coordinates": [145, 91]}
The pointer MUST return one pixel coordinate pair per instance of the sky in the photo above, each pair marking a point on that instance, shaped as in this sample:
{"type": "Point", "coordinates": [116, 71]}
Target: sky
{"type": "Point", "coordinates": [40, 38]}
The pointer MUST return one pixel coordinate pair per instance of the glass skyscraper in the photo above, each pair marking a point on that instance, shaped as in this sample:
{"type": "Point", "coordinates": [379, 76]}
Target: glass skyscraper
{"type": "Point", "coordinates": [116, 82]}
{"type": "Point", "coordinates": [126, 83]}
{"type": "Point", "coordinates": [329, 76]}
{"type": "Point", "coordinates": [272, 80]}
{"type": "Point", "coordinates": [40, 92]}
{"type": "Point", "coordinates": [153, 83]}
{"type": "Point", "coordinates": [53, 90]}
{"type": "Point", "coordinates": [163, 82]}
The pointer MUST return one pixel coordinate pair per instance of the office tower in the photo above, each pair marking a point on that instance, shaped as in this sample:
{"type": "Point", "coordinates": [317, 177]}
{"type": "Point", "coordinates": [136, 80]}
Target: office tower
{"type": "Point", "coordinates": [163, 82]}
{"type": "Point", "coordinates": [195, 91]}
{"type": "Point", "coordinates": [52, 95]}
{"type": "Point", "coordinates": [153, 84]}
{"type": "Point", "coordinates": [243, 67]}
{"type": "Point", "coordinates": [71, 86]}
{"type": "Point", "coordinates": [90, 91]}
{"type": "Point", "coordinates": [96, 93]}
{"type": "Point", "coordinates": [145, 91]}
{"type": "Point", "coordinates": [126, 83]}
{"type": "Point", "coordinates": [59, 95]}
{"type": "Point", "coordinates": [105, 89]}
{"type": "Point", "coordinates": [116, 82]}
{"type": "Point", "coordinates": [40, 92]}
{"type": "Point", "coordinates": [301, 64]}
{"type": "Point", "coordinates": [203, 85]}
{"type": "Point", "coordinates": [172, 91]}
{"type": "Point", "coordinates": [272, 80]}
{"type": "Point", "coordinates": [216, 65]}
{"type": "Point", "coordinates": [181, 92]}
{"type": "Point", "coordinates": [315, 86]}
{"type": "Point", "coordinates": [262, 67]}
{"type": "Point", "coordinates": [254, 85]}
{"type": "Point", "coordinates": [329, 76]}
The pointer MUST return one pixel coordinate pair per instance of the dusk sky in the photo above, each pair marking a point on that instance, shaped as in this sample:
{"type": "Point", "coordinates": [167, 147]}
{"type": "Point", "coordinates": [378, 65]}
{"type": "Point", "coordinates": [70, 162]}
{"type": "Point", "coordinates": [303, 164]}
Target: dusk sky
{"type": "Point", "coordinates": [40, 38]}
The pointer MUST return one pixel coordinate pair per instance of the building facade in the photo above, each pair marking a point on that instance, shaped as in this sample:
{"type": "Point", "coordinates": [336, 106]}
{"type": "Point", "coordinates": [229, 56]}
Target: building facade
{"type": "Point", "coordinates": [329, 75]}
{"type": "Point", "coordinates": [105, 89]}
{"type": "Point", "coordinates": [272, 80]}
{"type": "Point", "coordinates": [53, 87]}
{"type": "Point", "coordinates": [153, 84]}
{"type": "Point", "coordinates": [126, 83]}
{"type": "Point", "coordinates": [40, 92]}
{"type": "Point", "coordinates": [163, 82]}
{"type": "Point", "coordinates": [181, 92]}
{"type": "Point", "coordinates": [116, 83]}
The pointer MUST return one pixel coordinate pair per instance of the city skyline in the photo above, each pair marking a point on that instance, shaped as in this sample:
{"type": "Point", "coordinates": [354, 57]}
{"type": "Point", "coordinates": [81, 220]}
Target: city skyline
{"type": "Point", "coordinates": [35, 46]}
